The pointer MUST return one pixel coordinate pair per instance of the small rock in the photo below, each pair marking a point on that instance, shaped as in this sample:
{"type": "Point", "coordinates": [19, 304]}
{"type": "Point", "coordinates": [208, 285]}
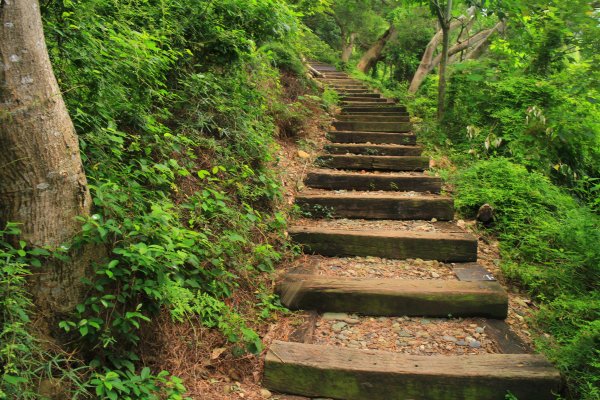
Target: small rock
{"type": "Point", "coordinates": [403, 333]}
{"type": "Point", "coordinates": [425, 321]}
{"type": "Point", "coordinates": [475, 344]}
{"type": "Point", "coordinates": [460, 223]}
{"type": "Point", "coordinates": [265, 394]}
{"type": "Point", "coordinates": [433, 219]}
{"type": "Point", "coordinates": [450, 338]}
{"type": "Point", "coordinates": [479, 330]}
{"type": "Point", "coordinates": [461, 343]}
{"type": "Point", "coordinates": [338, 326]}
{"type": "Point", "coordinates": [303, 154]}
{"type": "Point", "coordinates": [435, 275]}
{"type": "Point", "coordinates": [340, 317]}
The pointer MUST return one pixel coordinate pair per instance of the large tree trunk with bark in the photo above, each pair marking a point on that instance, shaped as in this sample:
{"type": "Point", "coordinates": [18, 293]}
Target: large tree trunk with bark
{"type": "Point", "coordinates": [42, 182]}
{"type": "Point", "coordinates": [425, 66]}
{"type": "Point", "coordinates": [370, 58]}
{"type": "Point", "coordinates": [348, 46]}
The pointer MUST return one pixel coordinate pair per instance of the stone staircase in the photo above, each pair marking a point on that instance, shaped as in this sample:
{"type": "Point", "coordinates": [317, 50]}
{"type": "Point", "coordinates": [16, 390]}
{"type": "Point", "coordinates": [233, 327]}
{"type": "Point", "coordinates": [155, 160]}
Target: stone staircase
{"type": "Point", "coordinates": [373, 187]}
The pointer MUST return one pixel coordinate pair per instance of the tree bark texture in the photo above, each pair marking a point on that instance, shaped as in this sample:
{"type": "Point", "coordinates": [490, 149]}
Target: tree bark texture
{"type": "Point", "coordinates": [42, 182]}
{"type": "Point", "coordinates": [370, 58]}
{"type": "Point", "coordinates": [444, 18]}
{"type": "Point", "coordinates": [425, 66]}
{"type": "Point", "coordinates": [348, 47]}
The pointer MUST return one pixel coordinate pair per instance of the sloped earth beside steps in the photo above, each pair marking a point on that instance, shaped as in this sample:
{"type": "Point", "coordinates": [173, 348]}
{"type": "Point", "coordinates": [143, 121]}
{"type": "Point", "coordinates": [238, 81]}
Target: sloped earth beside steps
{"type": "Point", "coordinates": [390, 288]}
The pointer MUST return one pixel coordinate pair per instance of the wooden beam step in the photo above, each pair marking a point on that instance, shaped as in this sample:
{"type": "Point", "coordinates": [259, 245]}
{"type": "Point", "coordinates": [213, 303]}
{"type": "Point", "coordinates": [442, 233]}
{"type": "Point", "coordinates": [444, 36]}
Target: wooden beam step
{"type": "Point", "coordinates": [373, 149]}
{"type": "Point", "coordinates": [394, 297]}
{"type": "Point", "coordinates": [440, 246]}
{"type": "Point", "coordinates": [371, 137]}
{"type": "Point", "coordinates": [376, 114]}
{"type": "Point", "coordinates": [373, 163]}
{"type": "Point", "coordinates": [358, 91]}
{"type": "Point", "coordinates": [369, 205]}
{"type": "Point", "coordinates": [351, 374]}
{"type": "Point", "coordinates": [374, 108]}
{"type": "Point", "coordinates": [372, 118]}
{"type": "Point", "coordinates": [396, 127]}
{"type": "Point", "coordinates": [357, 99]}
{"type": "Point", "coordinates": [361, 96]}
{"type": "Point", "coordinates": [398, 182]}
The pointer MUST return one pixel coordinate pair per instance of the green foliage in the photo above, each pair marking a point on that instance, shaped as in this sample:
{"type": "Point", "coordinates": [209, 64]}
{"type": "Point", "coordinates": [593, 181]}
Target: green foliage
{"type": "Point", "coordinates": [549, 244]}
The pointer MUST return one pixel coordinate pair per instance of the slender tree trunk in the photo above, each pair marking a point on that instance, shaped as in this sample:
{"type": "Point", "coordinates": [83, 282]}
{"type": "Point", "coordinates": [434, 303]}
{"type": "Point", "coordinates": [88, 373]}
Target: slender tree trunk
{"type": "Point", "coordinates": [442, 72]}
{"type": "Point", "coordinates": [348, 47]}
{"type": "Point", "coordinates": [425, 67]}
{"type": "Point", "coordinates": [444, 18]}
{"type": "Point", "coordinates": [42, 182]}
{"type": "Point", "coordinates": [370, 58]}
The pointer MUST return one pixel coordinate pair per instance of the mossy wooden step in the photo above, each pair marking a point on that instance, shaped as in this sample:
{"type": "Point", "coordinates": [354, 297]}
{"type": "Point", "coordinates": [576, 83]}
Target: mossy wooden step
{"type": "Point", "coordinates": [366, 205]}
{"type": "Point", "coordinates": [362, 126]}
{"type": "Point", "coordinates": [394, 297]}
{"type": "Point", "coordinates": [358, 91]}
{"type": "Point", "coordinates": [371, 137]}
{"type": "Point", "coordinates": [374, 163]}
{"type": "Point", "coordinates": [440, 246]}
{"type": "Point", "coordinates": [372, 118]}
{"type": "Point", "coordinates": [376, 114]}
{"type": "Point", "coordinates": [358, 99]}
{"type": "Point", "coordinates": [361, 96]}
{"type": "Point", "coordinates": [373, 108]}
{"type": "Point", "coordinates": [351, 374]}
{"type": "Point", "coordinates": [399, 182]}
{"type": "Point", "coordinates": [373, 149]}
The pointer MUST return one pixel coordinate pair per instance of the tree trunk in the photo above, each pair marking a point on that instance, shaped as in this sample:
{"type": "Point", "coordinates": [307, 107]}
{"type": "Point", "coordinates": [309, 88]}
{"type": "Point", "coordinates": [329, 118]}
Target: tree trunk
{"type": "Point", "coordinates": [425, 66]}
{"type": "Point", "coordinates": [42, 182]}
{"type": "Point", "coordinates": [444, 17]}
{"type": "Point", "coordinates": [483, 45]}
{"type": "Point", "coordinates": [476, 40]}
{"type": "Point", "coordinates": [442, 72]}
{"type": "Point", "coordinates": [348, 47]}
{"type": "Point", "coordinates": [370, 58]}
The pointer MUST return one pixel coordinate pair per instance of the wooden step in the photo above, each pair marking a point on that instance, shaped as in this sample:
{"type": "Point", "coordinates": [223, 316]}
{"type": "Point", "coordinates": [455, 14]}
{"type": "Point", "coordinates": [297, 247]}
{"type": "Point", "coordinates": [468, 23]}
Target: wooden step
{"type": "Point", "coordinates": [357, 99]}
{"type": "Point", "coordinates": [375, 114]}
{"type": "Point", "coordinates": [372, 118]}
{"type": "Point", "coordinates": [373, 163]}
{"type": "Point", "coordinates": [399, 182]}
{"type": "Point", "coordinates": [369, 205]}
{"type": "Point", "coordinates": [440, 246]}
{"type": "Point", "coordinates": [371, 137]}
{"type": "Point", "coordinates": [394, 297]}
{"type": "Point", "coordinates": [373, 149]}
{"type": "Point", "coordinates": [350, 374]}
{"type": "Point", "coordinates": [361, 96]}
{"type": "Point", "coordinates": [396, 127]}
{"type": "Point", "coordinates": [373, 108]}
{"type": "Point", "coordinates": [358, 91]}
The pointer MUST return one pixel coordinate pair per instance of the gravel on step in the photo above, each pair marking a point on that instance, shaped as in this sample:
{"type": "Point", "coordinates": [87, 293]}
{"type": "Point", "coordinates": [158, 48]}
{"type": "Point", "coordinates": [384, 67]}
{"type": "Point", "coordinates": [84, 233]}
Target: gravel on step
{"type": "Point", "coordinates": [391, 225]}
{"type": "Point", "coordinates": [376, 267]}
{"type": "Point", "coordinates": [417, 336]}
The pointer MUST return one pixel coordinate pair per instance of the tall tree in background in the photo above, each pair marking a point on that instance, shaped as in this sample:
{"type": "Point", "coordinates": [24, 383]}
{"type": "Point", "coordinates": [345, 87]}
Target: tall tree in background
{"type": "Point", "coordinates": [42, 182]}
{"type": "Point", "coordinates": [443, 12]}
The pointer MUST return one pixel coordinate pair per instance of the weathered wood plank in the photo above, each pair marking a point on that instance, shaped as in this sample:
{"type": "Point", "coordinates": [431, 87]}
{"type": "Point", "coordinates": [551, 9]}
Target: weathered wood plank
{"type": "Point", "coordinates": [374, 108]}
{"type": "Point", "coordinates": [372, 118]}
{"type": "Point", "coordinates": [350, 374]}
{"type": "Point", "coordinates": [441, 246]}
{"type": "Point", "coordinates": [364, 205]}
{"type": "Point", "coordinates": [472, 272]}
{"type": "Point", "coordinates": [394, 297]}
{"type": "Point", "coordinates": [356, 99]}
{"type": "Point", "coordinates": [374, 149]}
{"type": "Point", "coordinates": [362, 96]}
{"type": "Point", "coordinates": [374, 163]}
{"type": "Point", "coordinates": [399, 127]}
{"type": "Point", "coordinates": [334, 180]}
{"type": "Point", "coordinates": [371, 137]}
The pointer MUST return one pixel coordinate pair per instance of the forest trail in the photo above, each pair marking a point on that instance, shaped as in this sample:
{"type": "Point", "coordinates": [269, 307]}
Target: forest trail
{"type": "Point", "coordinates": [370, 196]}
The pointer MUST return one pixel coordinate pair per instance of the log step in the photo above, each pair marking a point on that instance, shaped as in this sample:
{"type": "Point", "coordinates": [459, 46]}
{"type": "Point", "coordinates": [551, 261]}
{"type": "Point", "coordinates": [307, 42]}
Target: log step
{"type": "Point", "coordinates": [374, 163]}
{"type": "Point", "coordinates": [361, 96]}
{"type": "Point", "coordinates": [358, 99]}
{"type": "Point", "coordinates": [372, 118]}
{"type": "Point", "coordinates": [394, 297]}
{"type": "Point", "coordinates": [374, 114]}
{"type": "Point", "coordinates": [374, 108]}
{"type": "Point", "coordinates": [373, 149]}
{"type": "Point", "coordinates": [396, 127]}
{"type": "Point", "coordinates": [369, 205]}
{"type": "Point", "coordinates": [398, 182]}
{"type": "Point", "coordinates": [440, 246]}
{"type": "Point", "coordinates": [350, 374]}
{"type": "Point", "coordinates": [372, 137]}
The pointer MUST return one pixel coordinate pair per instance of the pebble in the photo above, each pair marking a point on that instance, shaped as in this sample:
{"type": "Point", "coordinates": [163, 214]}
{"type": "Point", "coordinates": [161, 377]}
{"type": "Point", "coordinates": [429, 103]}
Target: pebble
{"type": "Point", "coordinates": [435, 275]}
{"type": "Point", "coordinates": [338, 326]}
{"type": "Point", "coordinates": [425, 321]}
{"type": "Point", "coordinates": [461, 343]}
{"type": "Point", "coordinates": [475, 344]}
{"type": "Point", "coordinates": [341, 317]}
{"type": "Point", "coordinates": [479, 330]}
{"type": "Point", "coordinates": [265, 394]}
{"type": "Point", "coordinates": [403, 333]}
{"type": "Point", "coordinates": [450, 339]}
